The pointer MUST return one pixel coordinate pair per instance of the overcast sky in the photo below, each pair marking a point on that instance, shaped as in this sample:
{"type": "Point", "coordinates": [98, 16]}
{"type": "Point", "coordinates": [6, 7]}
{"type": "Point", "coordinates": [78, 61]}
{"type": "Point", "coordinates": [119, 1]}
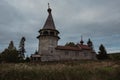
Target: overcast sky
{"type": "Point", "coordinates": [95, 19]}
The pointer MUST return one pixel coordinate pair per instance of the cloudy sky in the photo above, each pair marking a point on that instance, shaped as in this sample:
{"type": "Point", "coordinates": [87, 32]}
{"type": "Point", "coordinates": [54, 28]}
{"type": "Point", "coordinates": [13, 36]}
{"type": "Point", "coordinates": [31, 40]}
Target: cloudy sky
{"type": "Point", "coordinates": [95, 19]}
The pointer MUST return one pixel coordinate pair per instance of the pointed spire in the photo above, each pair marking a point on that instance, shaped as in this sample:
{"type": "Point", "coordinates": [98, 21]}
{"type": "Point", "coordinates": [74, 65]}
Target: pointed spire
{"type": "Point", "coordinates": [48, 5]}
{"type": "Point", "coordinates": [49, 9]}
{"type": "Point", "coordinates": [49, 24]}
{"type": "Point", "coordinates": [11, 46]}
{"type": "Point", "coordinates": [89, 41]}
{"type": "Point", "coordinates": [81, 40]}
{"type": "Point", "coordinates": [90, 44]}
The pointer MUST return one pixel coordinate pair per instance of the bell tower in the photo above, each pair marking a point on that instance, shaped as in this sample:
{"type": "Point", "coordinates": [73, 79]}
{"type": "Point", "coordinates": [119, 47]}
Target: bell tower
{"type": "Point", "coordinates": [48, 38]}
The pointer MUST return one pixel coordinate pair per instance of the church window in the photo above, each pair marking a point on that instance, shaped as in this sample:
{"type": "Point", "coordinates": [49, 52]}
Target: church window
{"type": "Point", "coordinates": [45, 33]}
{"type": "Point", "coordinates": [51, 51]}
{"type": "Point", "coordinates": [52, 33]}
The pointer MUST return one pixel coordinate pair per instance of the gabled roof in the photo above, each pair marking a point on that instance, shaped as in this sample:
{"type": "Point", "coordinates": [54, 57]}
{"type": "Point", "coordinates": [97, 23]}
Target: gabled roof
{"type": "Point", "coordinates": [78, 47]}
{"type": "Point", "coordinates": [84, 47]}
{"type": "Point", "coordinates": [68, 48]}
{"type": "Point", "coordinates": [49, 24]}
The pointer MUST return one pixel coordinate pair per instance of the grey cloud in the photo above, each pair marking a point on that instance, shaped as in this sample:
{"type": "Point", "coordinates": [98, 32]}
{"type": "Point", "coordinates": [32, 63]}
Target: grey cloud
{"type": "Point", "coordinates": [96, 19]}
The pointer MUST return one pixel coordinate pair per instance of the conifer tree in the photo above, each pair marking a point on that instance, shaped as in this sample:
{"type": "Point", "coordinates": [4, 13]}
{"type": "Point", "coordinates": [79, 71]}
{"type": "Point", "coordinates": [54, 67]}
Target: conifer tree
{"type": "Point", "coordinates": [70, 44]}
{"type": "Point", "coordinates": [11, 46]}
{"type": "Point", "coordinates": [10, 54]}
{"type": "Point", "coordinates": [22, 48]}
{"type": "Point", "coordinates": [102, 53]}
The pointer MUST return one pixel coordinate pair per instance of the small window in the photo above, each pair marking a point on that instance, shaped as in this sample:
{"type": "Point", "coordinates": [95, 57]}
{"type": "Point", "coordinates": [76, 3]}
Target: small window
{"type": "Point", "coordinates": [51, 51]}
{"type": "Point", "coordinates": [52, 33]}
{"type": "Point", "coordinates": [45, 33]}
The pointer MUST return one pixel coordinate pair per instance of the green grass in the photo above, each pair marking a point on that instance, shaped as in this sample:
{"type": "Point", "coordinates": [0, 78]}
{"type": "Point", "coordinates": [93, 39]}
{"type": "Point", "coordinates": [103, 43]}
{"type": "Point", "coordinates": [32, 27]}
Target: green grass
{"type": "Point", "coordinates": [75, 70]}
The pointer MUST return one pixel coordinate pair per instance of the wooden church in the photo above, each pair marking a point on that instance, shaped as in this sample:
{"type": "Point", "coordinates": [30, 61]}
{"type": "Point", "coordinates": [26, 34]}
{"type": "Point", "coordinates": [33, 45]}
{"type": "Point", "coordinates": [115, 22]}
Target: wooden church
{"type": "Point", "coordinates": [49, 50]}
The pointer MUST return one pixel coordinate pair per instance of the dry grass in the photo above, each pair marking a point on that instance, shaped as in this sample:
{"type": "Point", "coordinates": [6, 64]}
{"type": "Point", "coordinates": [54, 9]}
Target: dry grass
{"type": "Point", "coordinates": [76, 70]}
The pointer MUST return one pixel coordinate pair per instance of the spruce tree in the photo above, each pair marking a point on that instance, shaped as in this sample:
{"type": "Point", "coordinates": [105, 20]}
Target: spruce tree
{"type": "Point", "coordinates": [102, 53]}
{"type": "Point", "coordinates": [11, 46]}
{"type": "Point", "coordinates": [10, 54]}
{"type": "Point", "coordinates": [22, 48]}
{"type": "Point", "coordinates": [72, 44]}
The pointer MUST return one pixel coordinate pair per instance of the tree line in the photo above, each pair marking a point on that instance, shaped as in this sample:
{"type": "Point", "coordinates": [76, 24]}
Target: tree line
{"type": "Point", "coordinates": [11, 54]}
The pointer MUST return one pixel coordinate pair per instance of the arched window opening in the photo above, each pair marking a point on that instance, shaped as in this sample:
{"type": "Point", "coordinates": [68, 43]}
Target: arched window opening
{"type": "Point", "coordinates": [52, 33]}
{"type": "Point", "coordinates": [45, 33]}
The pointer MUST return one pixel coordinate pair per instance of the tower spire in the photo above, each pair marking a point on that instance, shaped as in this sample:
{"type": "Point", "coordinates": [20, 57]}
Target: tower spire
{"type": "Point", "coordinates": [48, 5]}
{"type": "Point", "coordinates": [49, 24]}
{"type": "Point", "coordinates": [81, 40]}
{"type": "Point", "coordinates": [90, 44]}
{"type": "Point", "coordinates": [49, 9]}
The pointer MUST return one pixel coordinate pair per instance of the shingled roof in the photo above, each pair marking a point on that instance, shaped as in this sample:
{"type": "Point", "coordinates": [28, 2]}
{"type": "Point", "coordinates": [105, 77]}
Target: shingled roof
{"type": "Point", "coordinates": [68, 48]}
{"type": "Point", "coordinates": [78, 47]}
{"type": "Point", "coordinates": [49, 24]}
{"type": "Point", "coordinates": [84, 47]}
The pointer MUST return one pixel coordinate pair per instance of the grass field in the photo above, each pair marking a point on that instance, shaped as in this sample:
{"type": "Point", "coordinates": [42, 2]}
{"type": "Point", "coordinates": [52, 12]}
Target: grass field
{"type": "Point", "coordinates": [73, 70]}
